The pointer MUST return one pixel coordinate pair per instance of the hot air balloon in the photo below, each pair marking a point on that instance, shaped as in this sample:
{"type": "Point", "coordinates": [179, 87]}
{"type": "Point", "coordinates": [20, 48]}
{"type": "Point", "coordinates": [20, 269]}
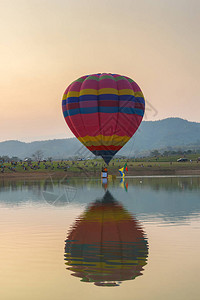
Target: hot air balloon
{"type": "Point", "coordinates": [106, 245]}
{"type": "Point", "coordinates": [103, 111]}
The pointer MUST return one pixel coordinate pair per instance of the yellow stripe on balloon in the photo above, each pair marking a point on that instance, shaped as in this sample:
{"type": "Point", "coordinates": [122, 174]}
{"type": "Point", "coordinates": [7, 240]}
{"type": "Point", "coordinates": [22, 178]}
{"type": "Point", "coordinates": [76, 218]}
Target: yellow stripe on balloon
{"type": "Point", "coordinates": [72, 94]}
{"type": "Point", "coordinates": [98, 92]}
{"type": "Point", "coordinates": [100, 139]}
{"type": "Point", "coordinates": [126, 92]}
{"type": "Point", "coordinates": [139, 94]}
{"type": "Point", "coordinates": [101, 92]}
{"type": "Point", "coordinates": [88, 92]}
{"type": "Point", "coordinates": [64, 97]}
{"type": "Point", "coordinates": [116, 264]}
{"type": "Point", "coordinates": [117, 216]}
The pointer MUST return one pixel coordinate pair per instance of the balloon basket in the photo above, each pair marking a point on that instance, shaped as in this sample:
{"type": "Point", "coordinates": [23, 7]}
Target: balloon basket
{"type": "Point", "coordinates": [104, 174]}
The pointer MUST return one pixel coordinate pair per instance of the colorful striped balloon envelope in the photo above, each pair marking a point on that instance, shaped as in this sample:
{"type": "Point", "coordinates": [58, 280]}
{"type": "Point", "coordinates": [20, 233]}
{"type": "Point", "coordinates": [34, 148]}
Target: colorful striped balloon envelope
{"type": "Point", "coordinates": [103, 111]}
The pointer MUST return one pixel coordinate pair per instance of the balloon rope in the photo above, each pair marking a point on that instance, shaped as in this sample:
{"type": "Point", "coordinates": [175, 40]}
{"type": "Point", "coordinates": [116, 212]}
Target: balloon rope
{"type": "Point", "coordinates": [130, 149]}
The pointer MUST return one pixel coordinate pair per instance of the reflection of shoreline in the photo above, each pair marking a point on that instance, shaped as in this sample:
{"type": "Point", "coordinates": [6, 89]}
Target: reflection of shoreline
{"type": "Point", "coordinates": [177, 207]}
{"type": "Point", "coordinates": [154, 182]}
{"type": "Point", "coordinates": [106, 245]}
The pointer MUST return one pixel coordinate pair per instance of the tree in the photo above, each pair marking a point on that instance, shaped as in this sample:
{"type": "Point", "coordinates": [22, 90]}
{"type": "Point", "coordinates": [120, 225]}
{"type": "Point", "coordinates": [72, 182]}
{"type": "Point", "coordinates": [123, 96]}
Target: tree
{"type": "Point", "coordinates": [189, 151]}
{"type": "Point", "coordinates": [38, 155]}
{"type": "Point", "coordinates": [15, 158]}
{"type": "Point", "coordinates": [155, 153]}
{"type": "Point", "coordinates": [166, 153]}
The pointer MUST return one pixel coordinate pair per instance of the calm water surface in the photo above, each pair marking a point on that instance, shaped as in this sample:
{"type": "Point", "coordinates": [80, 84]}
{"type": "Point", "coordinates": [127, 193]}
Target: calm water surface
{"type": "Point", "coordinates": [72, 239]}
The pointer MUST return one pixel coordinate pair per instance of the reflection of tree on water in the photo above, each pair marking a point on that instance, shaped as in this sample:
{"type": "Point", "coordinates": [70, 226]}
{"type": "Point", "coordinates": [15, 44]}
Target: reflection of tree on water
{"type": "Point", "coordinates": [106, 245]}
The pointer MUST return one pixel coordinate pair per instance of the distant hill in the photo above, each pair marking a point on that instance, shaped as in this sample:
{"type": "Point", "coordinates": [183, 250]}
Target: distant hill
{"type": "Point", "coordinates": [164, 134]}
{"type": "Point", "coordinates": [160, 135]}
{"type": "Point", "coordinates": [58, 148]}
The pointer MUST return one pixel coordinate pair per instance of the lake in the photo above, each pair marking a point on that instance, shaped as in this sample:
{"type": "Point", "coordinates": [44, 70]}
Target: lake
{"type": "Point", "coordinates": [83, 239]}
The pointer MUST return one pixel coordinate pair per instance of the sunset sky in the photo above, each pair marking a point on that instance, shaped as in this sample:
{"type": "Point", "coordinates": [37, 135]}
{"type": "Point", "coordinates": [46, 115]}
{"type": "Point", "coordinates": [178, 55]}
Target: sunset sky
{"type": "Point", "coordinates": [46, 44]}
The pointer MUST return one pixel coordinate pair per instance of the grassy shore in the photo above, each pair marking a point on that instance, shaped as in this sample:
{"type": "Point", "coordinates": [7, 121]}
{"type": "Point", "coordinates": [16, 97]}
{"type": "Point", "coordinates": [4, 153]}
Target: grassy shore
{"type": "Point", "coordinates": [92, 168]}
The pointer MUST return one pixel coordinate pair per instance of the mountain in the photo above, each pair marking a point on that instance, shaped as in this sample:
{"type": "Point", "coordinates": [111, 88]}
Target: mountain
{"type": "Point", "coordinates": [58, 148]}
{"type": "Point", "coordinates": [162, 134]}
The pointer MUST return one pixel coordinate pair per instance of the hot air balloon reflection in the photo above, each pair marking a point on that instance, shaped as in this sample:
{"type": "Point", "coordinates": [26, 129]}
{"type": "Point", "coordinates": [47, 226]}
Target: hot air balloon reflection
{"type": "Point", "coordinates": [106, 245]}
{"type": "Point", "coordinates": [103, 111]}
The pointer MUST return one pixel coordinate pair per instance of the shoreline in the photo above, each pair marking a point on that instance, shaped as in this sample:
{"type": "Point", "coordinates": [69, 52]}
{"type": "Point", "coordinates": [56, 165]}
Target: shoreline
{"type": "Point", "coordinates": [60, 174]}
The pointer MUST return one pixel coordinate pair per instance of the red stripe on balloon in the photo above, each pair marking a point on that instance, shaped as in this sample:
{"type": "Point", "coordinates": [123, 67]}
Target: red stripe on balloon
{"type": "Point", "coordinates": [109, 103]}
{"type": "Point", "coordinates": [106, 124]}
{"type": "Point", "coordinates": [139, 105]}
{"type": "Point", "coordinates": [107, 148]}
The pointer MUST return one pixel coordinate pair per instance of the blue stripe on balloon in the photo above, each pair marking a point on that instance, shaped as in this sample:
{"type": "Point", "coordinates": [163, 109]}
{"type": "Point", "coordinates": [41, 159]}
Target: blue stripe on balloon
{"type": "Point", "coordinates": [103, 97]}
{"type": "Point", "coordinates": [86, 110]}
{"type": "Point", "coordinates": [131, 98]}
{"type": "Point", "coordinates": [125, 110]}
{"type": "Point", "coordinates": [130, 110]}
{"type": "Point", "coordinates": [108, 109]}
{"type": "Point", "coordinates": [103, 109]}
{"type": "Point", "coordinates": [65, 113]}
{"type": "Point", "coordinates": [139, 100]}
{"type": "Point", "coordinates": [64, 102]}
{"type": "Point", "coordinates": [108, 97]}
{"type": "Point", "coordinates": [98, 97]}
{"type": "Point", "coordinates": [88, 97]}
